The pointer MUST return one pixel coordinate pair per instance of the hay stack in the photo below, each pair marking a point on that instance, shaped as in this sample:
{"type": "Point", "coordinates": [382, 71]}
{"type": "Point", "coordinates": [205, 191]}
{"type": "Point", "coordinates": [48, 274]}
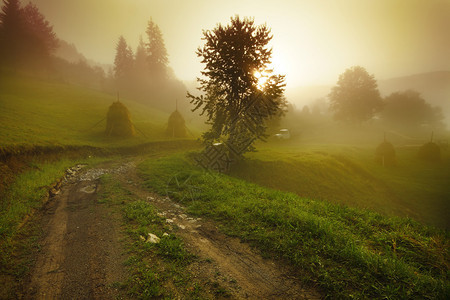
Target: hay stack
{"type": "Point", "coordinates": [118, 121]}
{"type": "Point", "coordinates": [430, 151]}
{"type": "Point", "coordinates": [176, 126]}
{"type": "Point", "coordinates": [385, 154]}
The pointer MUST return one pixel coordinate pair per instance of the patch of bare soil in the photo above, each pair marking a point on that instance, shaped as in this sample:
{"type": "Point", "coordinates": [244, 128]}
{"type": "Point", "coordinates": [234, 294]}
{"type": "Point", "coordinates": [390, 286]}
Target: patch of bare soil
{"type": "Point", "coordinates": [81, 255]}
{"type": "Point", "coordinates": [234, 265]}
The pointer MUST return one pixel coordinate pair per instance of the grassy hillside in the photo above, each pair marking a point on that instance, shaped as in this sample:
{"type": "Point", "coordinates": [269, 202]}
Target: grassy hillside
{"type": "Point", "coordinates": [349, 175]}
{"type": "Point", "coordinates": [348, 253]}
{"type": "Point", "coordinates": [36, 112]}
{"type": "Point", "coordinates": [285, 199]}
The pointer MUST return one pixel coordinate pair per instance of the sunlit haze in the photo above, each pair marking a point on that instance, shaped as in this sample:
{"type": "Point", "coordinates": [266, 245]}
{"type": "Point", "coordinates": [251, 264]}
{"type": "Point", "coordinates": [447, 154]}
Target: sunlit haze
{"type": "Point", "coordinates": [313, 41]}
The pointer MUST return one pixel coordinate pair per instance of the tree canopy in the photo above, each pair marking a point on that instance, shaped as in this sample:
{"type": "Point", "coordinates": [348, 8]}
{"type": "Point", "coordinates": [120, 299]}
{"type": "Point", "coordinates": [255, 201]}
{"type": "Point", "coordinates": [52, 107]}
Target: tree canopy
{"type": "Point", "coordinates": [236, 101]}
{"type": "Point", "coordinates": [408, 110]}
{"type": "Point", "coordinates": [355, 98]}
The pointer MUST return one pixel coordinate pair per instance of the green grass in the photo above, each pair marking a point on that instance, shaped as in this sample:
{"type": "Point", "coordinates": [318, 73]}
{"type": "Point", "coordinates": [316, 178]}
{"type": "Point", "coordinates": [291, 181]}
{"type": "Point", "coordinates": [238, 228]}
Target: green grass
{"type": "Point", "coordinates": [346, 252]}
{"type": "Point", "coordinates": [349, 175]}
{"type": "Point", "coordinates": [37, 112]}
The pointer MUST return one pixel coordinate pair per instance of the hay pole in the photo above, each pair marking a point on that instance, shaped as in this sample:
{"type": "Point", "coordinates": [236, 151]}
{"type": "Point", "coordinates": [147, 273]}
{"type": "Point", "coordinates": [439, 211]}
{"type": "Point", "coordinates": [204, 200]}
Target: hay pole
{"type": "Point", "coordinates": [384, 139]}
{"type": "Point", "coordinates": [187, 129]}
{"type": "Point", "coordinates": [139, 130]}
{"type": "Point", "coordinates": [96, 124]}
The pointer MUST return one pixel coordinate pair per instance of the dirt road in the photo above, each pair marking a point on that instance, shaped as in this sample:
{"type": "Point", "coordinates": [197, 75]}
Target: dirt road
{"type": "Point", "coordinates": [81, 256]}
{"type": "Point", "coordinates": [82, 253]}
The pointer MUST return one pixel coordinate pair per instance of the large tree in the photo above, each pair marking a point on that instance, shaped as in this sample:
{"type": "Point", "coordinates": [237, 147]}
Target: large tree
{"type": "Point", "coordinates": [355, 98]}
{"type": "Point", "coordinates": [240, 94]}
{"type": "Point", "coordinates": [407, 110]}
{"type": "Point", "coordinates": [156, 51]}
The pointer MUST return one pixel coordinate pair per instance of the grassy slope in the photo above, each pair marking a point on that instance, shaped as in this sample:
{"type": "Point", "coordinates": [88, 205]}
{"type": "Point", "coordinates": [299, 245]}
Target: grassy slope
{"type": "Point", "coordinates": [347, 252]}
{"type": "Point", "coordinates": [36, 112]}
{"type": "Point", "coordinates": [348, 175]}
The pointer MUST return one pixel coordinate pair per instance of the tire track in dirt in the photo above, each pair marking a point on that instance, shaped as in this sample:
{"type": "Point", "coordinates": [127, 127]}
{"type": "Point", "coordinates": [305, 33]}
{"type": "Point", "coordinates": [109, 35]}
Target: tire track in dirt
{"type": "Point", "coordinates": [46, 280]}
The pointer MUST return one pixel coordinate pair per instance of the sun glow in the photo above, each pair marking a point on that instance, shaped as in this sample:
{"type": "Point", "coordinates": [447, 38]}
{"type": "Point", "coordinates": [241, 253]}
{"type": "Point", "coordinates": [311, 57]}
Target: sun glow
{"type": "Point", "coordinates": [262, 79]}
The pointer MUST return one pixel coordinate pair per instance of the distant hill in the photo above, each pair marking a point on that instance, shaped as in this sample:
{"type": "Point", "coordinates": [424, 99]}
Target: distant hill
{"type": "Point", "coordinates": [434, 87]}
{"type": "Point", "coordinates": [69, 52]}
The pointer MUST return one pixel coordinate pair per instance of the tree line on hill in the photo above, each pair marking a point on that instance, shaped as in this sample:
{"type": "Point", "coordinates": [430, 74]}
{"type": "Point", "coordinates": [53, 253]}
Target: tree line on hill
{"type": "Point", "coordinates": [30, 46]}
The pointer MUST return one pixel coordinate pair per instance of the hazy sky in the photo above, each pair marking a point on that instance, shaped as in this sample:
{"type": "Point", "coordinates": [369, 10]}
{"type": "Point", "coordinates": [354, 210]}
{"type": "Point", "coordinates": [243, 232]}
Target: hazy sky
{"type": "Point", "coordinates": [314, 40]}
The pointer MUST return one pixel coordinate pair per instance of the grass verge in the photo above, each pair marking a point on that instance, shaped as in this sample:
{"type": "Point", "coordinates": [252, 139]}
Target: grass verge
{"type": "Point", "coordinates": [348, 253]}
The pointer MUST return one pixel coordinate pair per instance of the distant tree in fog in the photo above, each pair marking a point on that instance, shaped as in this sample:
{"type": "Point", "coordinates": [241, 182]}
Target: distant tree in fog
{"type": "Point", "coordinates": [140, 60]}
{"type": "Point", "coordinates": [355, 98]}
{"type": "Point", "coordinates": [305, 111]}
{"type": "Point", "coordinates": [156, 51]}
{"type": "Point", "coordinates": [236, 101]}
{"type": "Point", "coordinates": [408, 110]}
{"type": "Point", "coordinates": [123, 62]}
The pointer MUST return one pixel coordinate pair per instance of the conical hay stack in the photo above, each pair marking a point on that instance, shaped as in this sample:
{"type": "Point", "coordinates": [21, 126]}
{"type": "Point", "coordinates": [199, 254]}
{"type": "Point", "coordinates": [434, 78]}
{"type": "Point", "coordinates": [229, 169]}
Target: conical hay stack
{"type": "Point", "coordinates": [118, 121]}
{"type": "Point", "coordinates": [177, 125]}
{"type": "Point", "coordinates": [385, 154]}
{"type": "Point", "coordinates": [430, 152]}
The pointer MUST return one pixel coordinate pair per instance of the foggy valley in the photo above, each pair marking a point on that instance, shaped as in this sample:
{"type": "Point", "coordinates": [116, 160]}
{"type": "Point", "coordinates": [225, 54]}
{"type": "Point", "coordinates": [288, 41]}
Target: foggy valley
{"type": "Point", "coordinates": [202, 149]}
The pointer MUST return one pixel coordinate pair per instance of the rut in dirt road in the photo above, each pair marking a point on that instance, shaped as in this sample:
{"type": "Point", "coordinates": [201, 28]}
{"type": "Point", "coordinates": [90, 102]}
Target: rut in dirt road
{"type": "Point", "coordinates": [81, 256]}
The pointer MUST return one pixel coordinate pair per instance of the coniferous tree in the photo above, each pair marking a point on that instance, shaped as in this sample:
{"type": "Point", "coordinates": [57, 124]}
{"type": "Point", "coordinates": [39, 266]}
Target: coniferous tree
{"type": "Point", "coordinates": [26, 37]}
{"type": "Point", "coordinates": [140, 73]}
{"type": "Point", "coordinates": [12, 32]}
{"type": "Point", "coordinates": [41, 38]}
{"type": "Point", "coordinates": [140, 61]}
{"type": "Point", "coordinates": [123, 63]}
{"type": "Point", "coordinates": [156, 52]}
